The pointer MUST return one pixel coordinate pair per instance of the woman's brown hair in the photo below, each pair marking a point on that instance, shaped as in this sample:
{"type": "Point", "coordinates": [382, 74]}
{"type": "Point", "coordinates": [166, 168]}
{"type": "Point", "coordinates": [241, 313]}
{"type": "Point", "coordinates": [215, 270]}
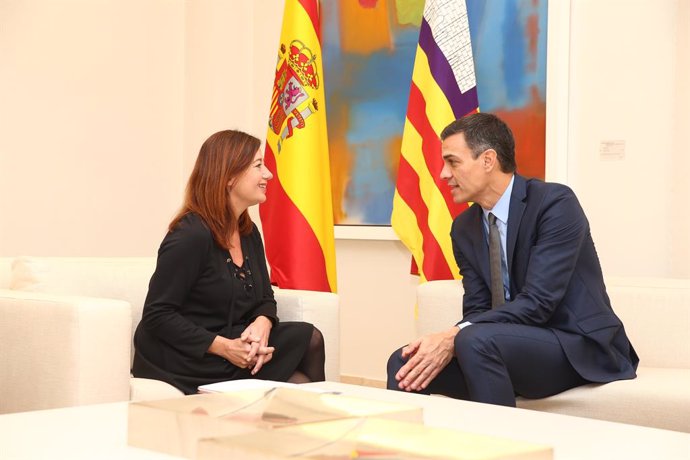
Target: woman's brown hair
{"type": "Point", "coordinates": [223, 157]}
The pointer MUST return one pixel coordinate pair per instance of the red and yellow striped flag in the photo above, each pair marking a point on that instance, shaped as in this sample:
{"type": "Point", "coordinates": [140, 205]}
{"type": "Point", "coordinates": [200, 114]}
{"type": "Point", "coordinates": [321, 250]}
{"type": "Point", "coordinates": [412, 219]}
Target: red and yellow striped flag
{"type": "Point", "coordinates": [443, 89]}
{"type": "Point", "coordinates": [297, 217]}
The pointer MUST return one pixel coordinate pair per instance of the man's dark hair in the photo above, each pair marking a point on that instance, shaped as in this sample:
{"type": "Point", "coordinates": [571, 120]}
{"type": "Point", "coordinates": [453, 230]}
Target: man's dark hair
{"type": "Point", "coordinates": [485, 131]}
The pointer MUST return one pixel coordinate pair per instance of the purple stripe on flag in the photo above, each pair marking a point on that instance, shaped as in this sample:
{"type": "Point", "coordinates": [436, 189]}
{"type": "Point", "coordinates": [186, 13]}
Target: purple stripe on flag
{"type": "Point", "coordinates": [462, 104]}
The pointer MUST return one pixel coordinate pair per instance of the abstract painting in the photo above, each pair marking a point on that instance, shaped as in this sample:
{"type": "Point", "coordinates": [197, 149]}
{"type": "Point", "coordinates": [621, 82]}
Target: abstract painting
{"type": "Point", "coordinates": [369, 48]}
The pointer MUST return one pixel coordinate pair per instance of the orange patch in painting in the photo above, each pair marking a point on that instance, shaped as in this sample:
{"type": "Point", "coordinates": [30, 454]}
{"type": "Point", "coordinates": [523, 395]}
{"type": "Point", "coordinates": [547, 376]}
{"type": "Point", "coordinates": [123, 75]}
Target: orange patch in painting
{"type": "Point", "coordinates": [393, 149]}
{"type": "Point", "coordinates": [529, 128]}
{"type": "Point", "coordinates": [365, 29]}
{"type": "Point", "coordinates": [340, 158]}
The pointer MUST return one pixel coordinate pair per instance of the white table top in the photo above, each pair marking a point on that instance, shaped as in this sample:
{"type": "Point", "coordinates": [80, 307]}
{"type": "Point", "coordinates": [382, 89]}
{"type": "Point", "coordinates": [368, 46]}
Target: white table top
{"type": "Point", "coordinates": [85, 432]}
{"type": "Point", "coordinates": [100, 431]}
{"type": "Point", "coordinates": [573, 438]}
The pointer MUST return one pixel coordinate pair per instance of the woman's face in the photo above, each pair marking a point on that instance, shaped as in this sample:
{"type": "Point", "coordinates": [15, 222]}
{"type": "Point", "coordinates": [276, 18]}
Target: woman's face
{"type": "Point", "coordinates": [250, 187]}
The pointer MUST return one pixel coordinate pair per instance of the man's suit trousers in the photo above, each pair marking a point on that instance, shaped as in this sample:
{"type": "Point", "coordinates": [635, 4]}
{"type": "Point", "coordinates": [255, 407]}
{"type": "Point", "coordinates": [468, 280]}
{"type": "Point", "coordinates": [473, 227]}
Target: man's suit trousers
{"type": "Point", "coordinates": [494, 362]}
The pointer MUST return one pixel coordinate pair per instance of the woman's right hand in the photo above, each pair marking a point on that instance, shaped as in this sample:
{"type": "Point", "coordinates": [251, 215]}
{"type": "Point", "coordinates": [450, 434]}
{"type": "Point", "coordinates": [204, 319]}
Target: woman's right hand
{"type": "Point", "coordinates": [237, 351]}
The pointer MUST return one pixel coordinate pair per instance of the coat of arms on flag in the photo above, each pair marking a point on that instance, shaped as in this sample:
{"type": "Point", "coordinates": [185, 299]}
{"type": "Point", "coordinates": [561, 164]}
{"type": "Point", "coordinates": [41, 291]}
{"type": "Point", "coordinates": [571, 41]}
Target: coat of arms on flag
{"type": "Point", "coordinates": [292, 104]}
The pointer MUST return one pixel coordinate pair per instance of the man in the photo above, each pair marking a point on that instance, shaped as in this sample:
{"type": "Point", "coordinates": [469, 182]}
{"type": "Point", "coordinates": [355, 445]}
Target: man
{"type": "Point", "coordinates": [551, 326]}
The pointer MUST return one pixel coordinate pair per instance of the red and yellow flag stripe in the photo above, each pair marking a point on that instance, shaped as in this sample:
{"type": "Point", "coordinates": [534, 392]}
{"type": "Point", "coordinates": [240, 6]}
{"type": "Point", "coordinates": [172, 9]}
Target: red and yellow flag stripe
{"type": "Point", "coordinates": [443, 89]}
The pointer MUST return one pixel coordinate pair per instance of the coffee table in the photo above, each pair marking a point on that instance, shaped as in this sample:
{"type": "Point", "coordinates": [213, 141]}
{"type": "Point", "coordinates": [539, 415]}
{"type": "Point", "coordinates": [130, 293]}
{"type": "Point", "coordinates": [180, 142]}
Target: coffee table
{"type": "Point", "coordinates": [100, 431]}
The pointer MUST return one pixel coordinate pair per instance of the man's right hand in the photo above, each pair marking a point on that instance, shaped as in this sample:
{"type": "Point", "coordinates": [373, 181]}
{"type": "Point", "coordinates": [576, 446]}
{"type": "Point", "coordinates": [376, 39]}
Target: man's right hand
{"type": "Point", "coordinates": [426, 358]}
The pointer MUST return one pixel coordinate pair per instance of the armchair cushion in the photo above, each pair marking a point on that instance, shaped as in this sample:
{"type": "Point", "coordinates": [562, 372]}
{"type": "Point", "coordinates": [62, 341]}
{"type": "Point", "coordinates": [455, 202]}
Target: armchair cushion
{"type": "Point", "coordinates": [150, 389]}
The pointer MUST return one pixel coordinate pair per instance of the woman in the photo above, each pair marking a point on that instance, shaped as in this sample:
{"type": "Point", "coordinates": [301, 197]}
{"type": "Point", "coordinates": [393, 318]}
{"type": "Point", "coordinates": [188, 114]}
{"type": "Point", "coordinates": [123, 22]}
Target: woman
{"type": "Point", "coordinates": [210, 314]}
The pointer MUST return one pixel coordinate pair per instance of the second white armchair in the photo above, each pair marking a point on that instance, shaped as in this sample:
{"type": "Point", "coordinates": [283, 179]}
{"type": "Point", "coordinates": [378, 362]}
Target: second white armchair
{"type": "Point", "coordinates": [66, 326]}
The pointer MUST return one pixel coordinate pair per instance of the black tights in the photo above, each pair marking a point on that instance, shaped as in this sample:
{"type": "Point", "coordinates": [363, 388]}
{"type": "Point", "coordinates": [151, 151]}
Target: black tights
{"type": "Point", "coordinates": [311, 368]}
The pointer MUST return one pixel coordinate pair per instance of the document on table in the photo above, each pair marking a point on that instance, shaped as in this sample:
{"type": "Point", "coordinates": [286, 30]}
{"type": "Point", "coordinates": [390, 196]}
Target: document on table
{"type": "Point", "coordinates": [254, 384]}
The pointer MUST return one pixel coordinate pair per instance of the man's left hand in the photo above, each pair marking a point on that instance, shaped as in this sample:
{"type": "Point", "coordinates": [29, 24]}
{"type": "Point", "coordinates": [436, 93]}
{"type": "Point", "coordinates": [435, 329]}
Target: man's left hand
{"type": "Point", "coordinates": [427, 356]}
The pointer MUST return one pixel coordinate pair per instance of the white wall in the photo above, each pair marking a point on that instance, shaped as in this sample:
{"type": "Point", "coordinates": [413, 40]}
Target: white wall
{"type": "Point", "coordinates": [219, 71]}
{"type": "Point", "coordinates": [680, 188]}
{"type": "Point", "coordinates": [104, 105]}
{"type": "Point", "coordinates": [626, 73]}
{"type": "Point", "coordinates": [91, 122]}
{"type": "Point", "coordinates": [377, 300]}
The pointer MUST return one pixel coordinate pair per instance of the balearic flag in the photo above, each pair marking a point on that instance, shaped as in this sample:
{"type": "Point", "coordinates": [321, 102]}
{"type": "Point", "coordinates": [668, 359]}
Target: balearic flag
{"type": "Point", "coordinates": [297, 217]}
{"type": "Point", "coordinates": [443, 89]}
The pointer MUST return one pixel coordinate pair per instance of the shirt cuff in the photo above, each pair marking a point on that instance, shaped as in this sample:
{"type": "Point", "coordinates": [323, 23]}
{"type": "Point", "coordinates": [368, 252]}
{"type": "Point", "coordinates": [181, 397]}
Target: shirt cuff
{"type": "Point", "coordinates": [463, 325]}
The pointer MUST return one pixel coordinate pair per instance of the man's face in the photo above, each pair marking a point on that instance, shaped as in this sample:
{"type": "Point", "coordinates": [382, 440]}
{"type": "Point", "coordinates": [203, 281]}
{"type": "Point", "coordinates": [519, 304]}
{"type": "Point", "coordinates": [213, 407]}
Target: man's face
{"type": "Point", "coordinates": [467, 177]}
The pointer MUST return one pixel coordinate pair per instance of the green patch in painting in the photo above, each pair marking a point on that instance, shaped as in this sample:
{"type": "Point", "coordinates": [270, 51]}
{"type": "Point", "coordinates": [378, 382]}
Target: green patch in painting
{"type": "Point", "coordinates": [409, 11]}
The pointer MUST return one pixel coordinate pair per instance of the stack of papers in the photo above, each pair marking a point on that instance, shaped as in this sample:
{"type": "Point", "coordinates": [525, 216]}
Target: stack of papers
{"type": "Point", "coordinates": [369, 438]}
{"type": "Point", "coordinates": [174, 426]}
{"type": "Point", "coordinates": [254, 384]}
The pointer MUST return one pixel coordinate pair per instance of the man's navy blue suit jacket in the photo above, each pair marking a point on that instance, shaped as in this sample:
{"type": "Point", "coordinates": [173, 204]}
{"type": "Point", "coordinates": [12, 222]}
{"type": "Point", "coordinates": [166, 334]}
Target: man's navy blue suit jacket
{"type": "Point", "coordinates": [555, 278]}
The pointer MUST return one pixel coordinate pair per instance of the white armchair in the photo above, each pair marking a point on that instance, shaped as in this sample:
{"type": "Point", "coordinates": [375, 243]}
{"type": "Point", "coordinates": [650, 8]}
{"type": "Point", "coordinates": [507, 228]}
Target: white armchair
{"type": "Point", "coordinates": [66, 326]}
{"type": "Point", "coordinates": [656, 315]}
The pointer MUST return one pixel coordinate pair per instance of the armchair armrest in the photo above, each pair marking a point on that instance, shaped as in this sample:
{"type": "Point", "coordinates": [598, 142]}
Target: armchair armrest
{"type": "Point", "coordinates": [322, 310]}
{"type": "Point", "coordinates": [58, 351]}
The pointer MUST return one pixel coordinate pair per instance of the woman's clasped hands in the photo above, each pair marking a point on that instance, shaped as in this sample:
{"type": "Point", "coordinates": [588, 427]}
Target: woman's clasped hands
{"type": "Point", "coordinates": [250, 350]}
{"type": "Point", "coordinates": [256, 336]}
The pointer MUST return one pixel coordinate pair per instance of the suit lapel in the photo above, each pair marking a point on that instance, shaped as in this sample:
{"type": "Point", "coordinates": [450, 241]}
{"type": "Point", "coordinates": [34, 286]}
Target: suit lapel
{"type": "Point", "coordinates": [517, 209]}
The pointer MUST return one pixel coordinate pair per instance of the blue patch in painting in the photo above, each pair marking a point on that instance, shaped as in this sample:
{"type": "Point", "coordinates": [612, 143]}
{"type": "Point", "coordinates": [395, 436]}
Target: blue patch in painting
{"type": "Point", "coordinates": [484, 18]}
{"type": "Point", "coordinates": [369, 186]}
{"type": "Point", "coordinates": [514, 56]}
{"type": "Point", "coordinates": [370, 190]}
{"type": "Point", "coordinates": [475, 11]}
{"type": "Point", "coordinates": [500, 47]}
{"type": "Point", "coordinates": [376, 88]}
{"type": "Point", "coordinates": [540, 74]}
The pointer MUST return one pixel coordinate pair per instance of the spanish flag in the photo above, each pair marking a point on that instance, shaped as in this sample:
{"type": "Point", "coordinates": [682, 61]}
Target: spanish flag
{"type": "Point", "coordinates": [297, 217]}
{"type": "Point", "coordinates": [443, 89]}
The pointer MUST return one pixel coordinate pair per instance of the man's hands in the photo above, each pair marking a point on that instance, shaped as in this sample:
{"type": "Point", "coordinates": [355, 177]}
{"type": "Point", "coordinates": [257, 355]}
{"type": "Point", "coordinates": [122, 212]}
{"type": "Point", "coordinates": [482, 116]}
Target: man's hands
{"type": "Point", "coordinates": [250, 350]}
{"type": "Point", "coordinates": [427, 356]}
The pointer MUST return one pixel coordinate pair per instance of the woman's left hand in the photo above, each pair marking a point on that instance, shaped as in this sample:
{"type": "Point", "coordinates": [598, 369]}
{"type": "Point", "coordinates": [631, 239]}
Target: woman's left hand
{"type": "Point", "coordinates": [256, 334]}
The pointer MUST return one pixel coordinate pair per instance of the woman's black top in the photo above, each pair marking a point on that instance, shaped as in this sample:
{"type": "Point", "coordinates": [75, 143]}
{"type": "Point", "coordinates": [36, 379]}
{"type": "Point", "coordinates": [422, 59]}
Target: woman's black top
{"type": "Point", "coordinates": [196, 293]}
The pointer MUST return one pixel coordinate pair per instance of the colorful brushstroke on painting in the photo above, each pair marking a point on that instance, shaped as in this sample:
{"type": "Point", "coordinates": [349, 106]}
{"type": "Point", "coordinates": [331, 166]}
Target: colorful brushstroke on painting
{"type": "Point", "coordinates": [509, 46]}
{"type": "Point", "coordinates": [369, 48]}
